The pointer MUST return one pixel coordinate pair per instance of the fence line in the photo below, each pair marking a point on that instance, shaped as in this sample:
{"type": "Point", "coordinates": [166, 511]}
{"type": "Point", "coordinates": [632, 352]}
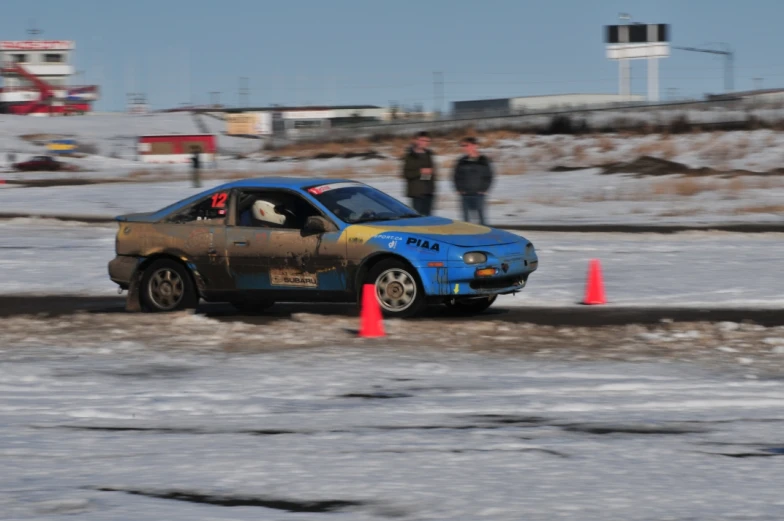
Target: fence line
{"type": "Point", "coordinates": [707, 113]}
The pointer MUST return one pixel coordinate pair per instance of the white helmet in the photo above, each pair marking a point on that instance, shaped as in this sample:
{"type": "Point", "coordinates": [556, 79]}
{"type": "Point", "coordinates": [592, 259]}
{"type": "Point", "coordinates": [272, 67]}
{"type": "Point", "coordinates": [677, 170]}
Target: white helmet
{"type": "Point", "coordinates": [265, 211]}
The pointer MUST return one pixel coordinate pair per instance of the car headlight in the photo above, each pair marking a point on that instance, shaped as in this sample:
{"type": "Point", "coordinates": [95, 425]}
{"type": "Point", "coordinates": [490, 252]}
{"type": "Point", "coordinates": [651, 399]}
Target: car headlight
{"type": "Point", "coordinates": [529, 248]}
{"type": "Point", "coordinates": [474, 257]}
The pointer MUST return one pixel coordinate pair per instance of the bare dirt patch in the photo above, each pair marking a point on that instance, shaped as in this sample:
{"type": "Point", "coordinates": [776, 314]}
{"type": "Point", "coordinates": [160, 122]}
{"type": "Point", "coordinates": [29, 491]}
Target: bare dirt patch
{"type": "Point", "coordinates": [748, 345]}
{"type": "Point", "coordinates": [777, 209]}
{"type": "Point", "coordinates": [647, 166]}
{"type": "Point", "coordinates": [40, 139]}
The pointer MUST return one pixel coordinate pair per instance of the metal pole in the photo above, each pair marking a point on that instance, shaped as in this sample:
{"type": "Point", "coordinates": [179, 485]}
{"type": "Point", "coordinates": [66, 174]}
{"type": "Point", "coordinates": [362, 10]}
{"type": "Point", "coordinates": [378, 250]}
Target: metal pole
{"type": "Point", "coordinates": [243, 92]}
{"type": "Point", "coordinates": [729, 73]}
{"type": "Point", "coordinates": [625, 79]}
{"type": "Point", "coordinates": [653, 79]}
{"type": "Point", "coordinates": [438, 91]}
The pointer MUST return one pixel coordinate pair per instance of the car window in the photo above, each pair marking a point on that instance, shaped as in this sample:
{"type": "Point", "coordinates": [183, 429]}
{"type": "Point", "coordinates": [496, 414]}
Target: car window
{"type": "Point", "coordinates": [273, 209]}
{"type": "Point", "coordinates": [212, 209]}
{"type": "Point", "coordinates": [355, 202]}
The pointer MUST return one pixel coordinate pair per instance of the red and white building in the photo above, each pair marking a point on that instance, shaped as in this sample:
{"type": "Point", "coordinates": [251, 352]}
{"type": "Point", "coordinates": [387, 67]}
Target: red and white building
{"type": "Point", "coordinates": [176, 148]}
{"type": "Point", "coordinates": [36, 78]}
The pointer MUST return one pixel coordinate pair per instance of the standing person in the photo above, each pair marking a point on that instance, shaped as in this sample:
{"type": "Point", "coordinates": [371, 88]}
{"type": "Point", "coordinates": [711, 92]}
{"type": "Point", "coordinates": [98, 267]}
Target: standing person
{"type": "Point", "coordinates": [473, 177]}
{"type": "Point", "coordinates": [196, 164]}
{"type": "Point", "coordinates": [419, 170]}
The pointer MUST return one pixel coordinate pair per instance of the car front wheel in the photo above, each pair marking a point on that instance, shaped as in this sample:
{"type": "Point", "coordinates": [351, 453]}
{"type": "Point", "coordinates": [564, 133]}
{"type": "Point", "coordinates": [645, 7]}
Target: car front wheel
{"type": "Point", "coordinates": [167, 286]}
{"type": "Point", "coordinates": [398, 290]}
{"type": "Point", "coordinates": [470, 305]}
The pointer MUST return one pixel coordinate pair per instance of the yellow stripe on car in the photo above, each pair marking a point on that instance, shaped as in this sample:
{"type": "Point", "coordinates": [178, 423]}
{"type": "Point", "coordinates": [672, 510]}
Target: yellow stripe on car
{"type": "Point", "coordinates": [366, 232]}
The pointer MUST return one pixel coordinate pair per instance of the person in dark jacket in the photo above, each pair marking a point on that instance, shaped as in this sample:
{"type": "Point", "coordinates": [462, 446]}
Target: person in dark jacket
{"type": "Point", "coordinates": [195, 166]}
{"type": "Point", "coordinates": [472, 177]}
{"type": "Point", "coordinates": [419, 170]}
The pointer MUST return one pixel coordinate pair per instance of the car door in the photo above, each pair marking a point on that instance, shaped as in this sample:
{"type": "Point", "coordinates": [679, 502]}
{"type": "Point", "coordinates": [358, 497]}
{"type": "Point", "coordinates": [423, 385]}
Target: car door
{"type": "Point", "coordinates": [198, 233]}
{"type": "Point", "coordinates": [279, 256]}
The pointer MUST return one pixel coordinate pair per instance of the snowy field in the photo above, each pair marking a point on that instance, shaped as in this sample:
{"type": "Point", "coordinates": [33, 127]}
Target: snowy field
{"type": "Point", "coordinates": [691, 268]}
{"type": "Point", "coordinates": [579, 197]}
{"type": "Point", "coordinates": [123, 431]}
{"type": "Point", "coordinates": [525, 191]}
{"type": "Point", "coordinates": [123, 417]}
{"type": "Point", "coordinates": [113, 135]}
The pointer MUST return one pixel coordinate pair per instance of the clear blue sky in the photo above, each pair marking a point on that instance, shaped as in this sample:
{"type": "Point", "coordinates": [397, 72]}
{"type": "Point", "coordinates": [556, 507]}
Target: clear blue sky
{"type": "Point", "coordinates": [369, 51]}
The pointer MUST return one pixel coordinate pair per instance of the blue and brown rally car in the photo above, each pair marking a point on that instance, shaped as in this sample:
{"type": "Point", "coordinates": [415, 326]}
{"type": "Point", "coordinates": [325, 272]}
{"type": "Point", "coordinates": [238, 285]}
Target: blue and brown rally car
{"type": "Point", "coordinates": [258, 241]}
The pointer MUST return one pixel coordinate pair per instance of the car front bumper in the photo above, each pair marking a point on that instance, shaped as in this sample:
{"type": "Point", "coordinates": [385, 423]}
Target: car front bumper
{"type": "Point", "coordinates": [121, 270]}
{"type": "Point", "coordinates": [463, 280]}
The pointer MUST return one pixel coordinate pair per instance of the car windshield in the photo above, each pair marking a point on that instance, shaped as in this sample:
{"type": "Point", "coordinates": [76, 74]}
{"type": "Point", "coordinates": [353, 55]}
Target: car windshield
{"type": "Point", "coordinates": [357, 203]}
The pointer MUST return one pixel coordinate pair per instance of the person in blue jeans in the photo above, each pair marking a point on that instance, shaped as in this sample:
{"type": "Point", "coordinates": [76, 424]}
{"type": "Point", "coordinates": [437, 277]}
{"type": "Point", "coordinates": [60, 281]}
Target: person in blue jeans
{"type": "Point", "coordinates": [473, 177]}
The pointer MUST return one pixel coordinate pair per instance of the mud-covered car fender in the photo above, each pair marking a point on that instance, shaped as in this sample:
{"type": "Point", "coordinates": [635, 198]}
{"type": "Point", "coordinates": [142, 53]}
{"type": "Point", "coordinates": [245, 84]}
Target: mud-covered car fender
{"type": "Point", "coordinates": [133, 302]}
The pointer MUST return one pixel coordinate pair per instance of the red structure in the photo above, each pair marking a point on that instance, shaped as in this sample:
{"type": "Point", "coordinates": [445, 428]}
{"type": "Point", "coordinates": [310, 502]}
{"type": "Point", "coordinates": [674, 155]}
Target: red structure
{"type": "Point", "coordinates": [35, 79]}
{"type": "Point", "coordinates": [176, 148]}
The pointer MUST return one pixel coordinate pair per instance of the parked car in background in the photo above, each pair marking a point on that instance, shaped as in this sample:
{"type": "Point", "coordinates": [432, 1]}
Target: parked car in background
{"type": "Point", "coordinates": [42, 164]}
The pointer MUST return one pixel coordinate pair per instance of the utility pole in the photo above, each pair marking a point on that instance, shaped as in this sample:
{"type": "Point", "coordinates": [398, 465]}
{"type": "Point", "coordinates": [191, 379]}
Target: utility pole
{"type": "Point", "coordinates": [333, 84]}
{"type": "Point", "coordinates": [244, 92]}
{"type": "Point", "coordinates": [438, 93]}
{"type": "Point", "coordinates": [624, 66]}
{"type": "Point", "coordinates": [729, 58]}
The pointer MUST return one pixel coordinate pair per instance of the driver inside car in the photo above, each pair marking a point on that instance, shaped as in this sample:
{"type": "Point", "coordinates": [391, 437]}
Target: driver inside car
{"type": "Point", "coordinates": [263, 213]}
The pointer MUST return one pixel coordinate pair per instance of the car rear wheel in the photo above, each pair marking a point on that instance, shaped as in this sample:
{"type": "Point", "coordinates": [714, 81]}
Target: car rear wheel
{"type": "Point", "coordinates": [252, 305]}
{"type": "Point", "coordinates": [167, 286]}
{"type": "Point", "coordinates": [470, 305]}
{"type": "Point", "coordinates": [398, 290]}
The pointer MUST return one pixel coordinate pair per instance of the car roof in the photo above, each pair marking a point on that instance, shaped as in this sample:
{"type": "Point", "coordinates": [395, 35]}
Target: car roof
{"type": "Point", "coordinates": [281, 182]}
{"type": "Point", "coordinates": [258, 182]}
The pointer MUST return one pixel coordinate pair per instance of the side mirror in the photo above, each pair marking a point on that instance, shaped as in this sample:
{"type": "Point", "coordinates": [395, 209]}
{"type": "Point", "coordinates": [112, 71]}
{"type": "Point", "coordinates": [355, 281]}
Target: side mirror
{"type": "Point", "coordinates": [316, 225]}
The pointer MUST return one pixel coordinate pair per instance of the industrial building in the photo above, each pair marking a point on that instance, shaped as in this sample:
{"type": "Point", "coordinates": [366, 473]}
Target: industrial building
{"type": "Point", "coordinates": [523, 104]}
{"type": "Point", "coordinates": [298, 121]}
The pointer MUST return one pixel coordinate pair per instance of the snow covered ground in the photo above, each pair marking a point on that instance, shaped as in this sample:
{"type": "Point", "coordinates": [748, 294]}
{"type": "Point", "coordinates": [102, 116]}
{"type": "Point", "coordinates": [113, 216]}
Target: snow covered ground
{"type": "Point", "coordinates": [111, 134]}
{"type": "Point", "coordinates": [578, 197]}
{"type": "Point", "coordinates": [123, 431]}
{"type": "Point", "coordinates": [693, 268]}
{"type": "Point", "coordinates": [186, 417]}
{"type": "Point", "coordinates": [114, 136]}
{"type": "Point", "coordinates": [525, 190]}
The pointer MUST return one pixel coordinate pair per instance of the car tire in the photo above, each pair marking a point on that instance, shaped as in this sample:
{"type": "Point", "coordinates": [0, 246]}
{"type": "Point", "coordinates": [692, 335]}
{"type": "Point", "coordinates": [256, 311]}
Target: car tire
{"type": "Point", "coordinates": [470, 305]}
{"type": "Point", "coordinates": [398, 290]}
{"type": "Point", "coordinates": [252, 305]}
{"type": "Point", "coordinates": [167, 286]}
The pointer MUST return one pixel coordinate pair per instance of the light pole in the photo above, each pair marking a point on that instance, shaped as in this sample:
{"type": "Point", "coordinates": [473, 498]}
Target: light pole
{"type": "Point", "coordinates": [624, 66]}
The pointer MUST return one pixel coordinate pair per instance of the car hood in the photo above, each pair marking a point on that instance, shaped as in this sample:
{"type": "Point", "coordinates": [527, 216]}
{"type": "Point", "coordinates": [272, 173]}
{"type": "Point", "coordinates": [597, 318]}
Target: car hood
{"type": "Point", "coordinates": [448, 231]}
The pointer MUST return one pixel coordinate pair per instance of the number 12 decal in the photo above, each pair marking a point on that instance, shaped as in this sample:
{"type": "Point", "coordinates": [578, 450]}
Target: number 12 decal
{"type": "Point", "coordinates": [219, 200]}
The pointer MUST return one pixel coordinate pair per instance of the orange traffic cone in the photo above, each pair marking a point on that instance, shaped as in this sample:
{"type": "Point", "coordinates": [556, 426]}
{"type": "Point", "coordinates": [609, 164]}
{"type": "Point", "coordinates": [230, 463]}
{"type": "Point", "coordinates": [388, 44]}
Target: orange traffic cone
{"type": "Point", "coordinates": [594, 288]}
{"type": "Point", "coordinates": [371, 325]}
